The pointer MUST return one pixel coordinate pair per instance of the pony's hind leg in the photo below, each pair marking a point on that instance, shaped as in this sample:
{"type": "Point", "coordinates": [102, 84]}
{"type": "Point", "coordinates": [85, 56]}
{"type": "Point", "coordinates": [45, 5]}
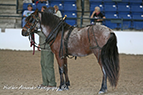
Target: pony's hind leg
{"type": "Point", "coordinates": [103, 88]}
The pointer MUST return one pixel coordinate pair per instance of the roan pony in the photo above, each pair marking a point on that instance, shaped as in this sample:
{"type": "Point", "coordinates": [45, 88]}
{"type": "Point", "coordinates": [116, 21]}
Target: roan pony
{"type": "Point", "coordinates": [97, 39]}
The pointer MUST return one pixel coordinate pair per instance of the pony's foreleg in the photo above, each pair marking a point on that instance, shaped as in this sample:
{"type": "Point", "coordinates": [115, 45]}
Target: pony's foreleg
{"type": "Point", "coordinates": [62, 70]}
{"type": "Point", "coordinates": [67, 82]}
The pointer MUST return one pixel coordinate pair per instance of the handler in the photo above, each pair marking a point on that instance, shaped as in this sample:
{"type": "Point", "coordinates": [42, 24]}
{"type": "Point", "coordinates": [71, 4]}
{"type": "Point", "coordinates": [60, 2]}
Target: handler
{"type": "Point", "coordinates": [47, 61]}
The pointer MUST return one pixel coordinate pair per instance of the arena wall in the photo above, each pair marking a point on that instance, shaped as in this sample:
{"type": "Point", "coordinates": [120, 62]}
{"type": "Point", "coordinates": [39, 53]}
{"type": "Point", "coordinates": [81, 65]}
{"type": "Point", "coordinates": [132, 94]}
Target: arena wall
{"type": "Point", "coordinates": [128, 42]}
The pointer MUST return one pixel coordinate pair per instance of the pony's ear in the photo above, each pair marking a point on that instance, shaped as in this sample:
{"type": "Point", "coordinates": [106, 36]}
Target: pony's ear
{"type": "Point", "coordinates": [36, 12]}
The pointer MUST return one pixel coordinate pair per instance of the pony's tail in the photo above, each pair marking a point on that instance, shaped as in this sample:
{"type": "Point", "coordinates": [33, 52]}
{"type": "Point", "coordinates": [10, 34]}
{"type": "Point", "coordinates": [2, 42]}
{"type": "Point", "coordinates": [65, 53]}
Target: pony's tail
{"type": "Point", "coordinates": [110, 60]}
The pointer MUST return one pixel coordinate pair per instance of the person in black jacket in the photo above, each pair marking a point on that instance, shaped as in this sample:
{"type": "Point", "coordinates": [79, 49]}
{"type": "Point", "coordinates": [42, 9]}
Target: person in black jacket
{"type": "Point", "coordinates": [97, 15]}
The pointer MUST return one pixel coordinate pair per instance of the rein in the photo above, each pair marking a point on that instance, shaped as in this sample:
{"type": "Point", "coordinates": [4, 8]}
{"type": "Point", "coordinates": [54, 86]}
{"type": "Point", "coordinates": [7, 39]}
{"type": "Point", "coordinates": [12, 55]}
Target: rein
{"type": "Point", "coordinates": [53, 34]}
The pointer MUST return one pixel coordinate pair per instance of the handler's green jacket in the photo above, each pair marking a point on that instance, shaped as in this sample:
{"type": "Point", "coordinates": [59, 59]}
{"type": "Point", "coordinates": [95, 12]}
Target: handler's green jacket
{"type": "Point", "coordinates": [42, 39]}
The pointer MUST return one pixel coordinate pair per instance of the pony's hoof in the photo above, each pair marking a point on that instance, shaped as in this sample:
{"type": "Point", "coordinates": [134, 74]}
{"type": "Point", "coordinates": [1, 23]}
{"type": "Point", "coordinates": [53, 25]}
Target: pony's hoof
{"type": "Point", "coordinates": [59, 89]}
{"type": "Point", "coordinates": [101, 92]}
{"type": "Point", "coordinates": [64, 87]}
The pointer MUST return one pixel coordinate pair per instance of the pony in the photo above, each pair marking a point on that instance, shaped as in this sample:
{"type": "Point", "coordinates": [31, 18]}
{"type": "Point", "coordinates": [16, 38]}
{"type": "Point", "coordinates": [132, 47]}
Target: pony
{"type": "Point", "coordinates": [77, 42]}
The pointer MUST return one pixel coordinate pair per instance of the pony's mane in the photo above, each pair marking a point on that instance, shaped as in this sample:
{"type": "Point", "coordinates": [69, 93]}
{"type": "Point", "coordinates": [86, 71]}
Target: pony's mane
{"type": "Point", "coordinates": [48, 19]}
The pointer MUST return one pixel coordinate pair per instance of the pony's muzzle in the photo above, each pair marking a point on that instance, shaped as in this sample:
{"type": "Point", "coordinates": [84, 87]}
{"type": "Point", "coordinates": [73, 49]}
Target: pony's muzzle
{"type": "Point", "coordinates": [24, 32]}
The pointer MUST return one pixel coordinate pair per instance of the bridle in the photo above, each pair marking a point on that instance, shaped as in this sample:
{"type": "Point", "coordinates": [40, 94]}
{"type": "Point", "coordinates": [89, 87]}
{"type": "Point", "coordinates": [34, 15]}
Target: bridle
{"type": "Point", "coordinates": [33, 24]}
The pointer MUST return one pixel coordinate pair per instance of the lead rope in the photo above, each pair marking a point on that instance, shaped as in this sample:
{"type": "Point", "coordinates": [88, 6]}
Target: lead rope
{"type": "Point", "coordinates": [32, 42]}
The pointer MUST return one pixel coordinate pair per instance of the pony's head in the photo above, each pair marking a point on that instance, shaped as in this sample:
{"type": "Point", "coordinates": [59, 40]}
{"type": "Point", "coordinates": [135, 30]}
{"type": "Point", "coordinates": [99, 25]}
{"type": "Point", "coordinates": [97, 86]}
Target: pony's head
{"type": "Point", "coordinates": [34, 21]}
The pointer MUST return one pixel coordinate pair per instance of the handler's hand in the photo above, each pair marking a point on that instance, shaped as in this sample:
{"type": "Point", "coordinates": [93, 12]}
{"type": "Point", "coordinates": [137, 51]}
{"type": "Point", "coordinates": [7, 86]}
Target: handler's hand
{"type": "Point", "coordinates": [38, 48]}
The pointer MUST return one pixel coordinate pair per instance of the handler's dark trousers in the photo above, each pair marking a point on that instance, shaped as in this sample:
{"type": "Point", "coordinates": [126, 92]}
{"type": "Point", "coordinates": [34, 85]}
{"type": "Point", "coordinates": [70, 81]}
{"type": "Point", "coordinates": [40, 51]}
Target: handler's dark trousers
{"type": "Point", "coordinates": [47, 68]}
